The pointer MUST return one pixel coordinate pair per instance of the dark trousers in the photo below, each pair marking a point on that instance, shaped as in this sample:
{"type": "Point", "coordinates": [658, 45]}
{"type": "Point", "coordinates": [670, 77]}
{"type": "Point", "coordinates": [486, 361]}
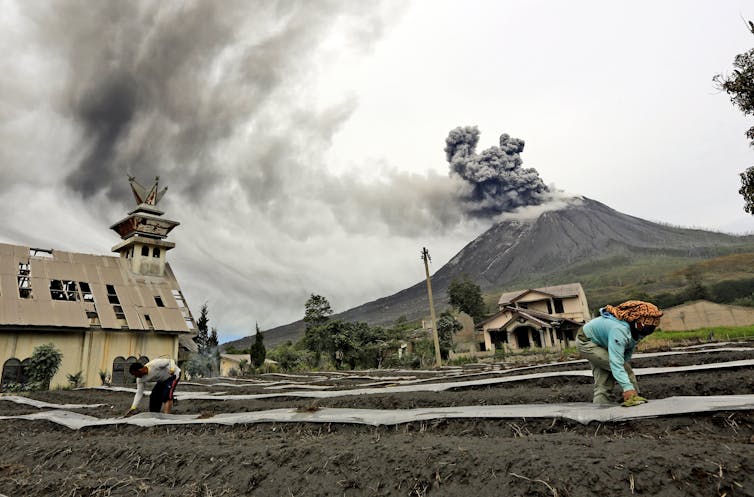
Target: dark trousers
{"type": "Point", "coordinates": [161, 393]}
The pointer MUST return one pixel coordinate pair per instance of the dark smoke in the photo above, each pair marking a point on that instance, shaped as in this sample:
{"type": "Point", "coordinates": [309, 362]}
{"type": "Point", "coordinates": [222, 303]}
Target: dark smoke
{"type": "Point", "coordinates": [169, 87]}
{"type": "Point", "coordinates": [497, 181]}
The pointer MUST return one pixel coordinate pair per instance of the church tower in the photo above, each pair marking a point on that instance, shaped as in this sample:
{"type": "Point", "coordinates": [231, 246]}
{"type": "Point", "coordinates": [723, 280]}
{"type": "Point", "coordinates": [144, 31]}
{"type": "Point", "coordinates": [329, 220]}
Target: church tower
{"type": "Point", "coordinates": [144, 231]}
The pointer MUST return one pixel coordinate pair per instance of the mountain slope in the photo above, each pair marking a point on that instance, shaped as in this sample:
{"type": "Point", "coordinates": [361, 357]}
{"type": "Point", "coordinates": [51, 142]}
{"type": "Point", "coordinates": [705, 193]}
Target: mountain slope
{"type": "Point", "coordinates": [584, 232]}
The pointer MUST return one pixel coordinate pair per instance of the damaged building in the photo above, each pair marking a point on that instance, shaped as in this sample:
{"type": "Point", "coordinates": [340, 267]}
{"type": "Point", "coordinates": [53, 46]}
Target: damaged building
{"type": "Point", "coordinates": [546, 317]}
{"type": "Point", "coordinates": [101, 312]}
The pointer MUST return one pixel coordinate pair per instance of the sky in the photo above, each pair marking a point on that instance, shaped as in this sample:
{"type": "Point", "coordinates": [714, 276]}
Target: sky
{"type": "Point", "coordinates": [315, 147]}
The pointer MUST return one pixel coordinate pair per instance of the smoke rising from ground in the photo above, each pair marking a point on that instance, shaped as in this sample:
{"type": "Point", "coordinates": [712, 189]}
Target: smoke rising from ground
{"type": "Point", "coordinates": [496, 179]}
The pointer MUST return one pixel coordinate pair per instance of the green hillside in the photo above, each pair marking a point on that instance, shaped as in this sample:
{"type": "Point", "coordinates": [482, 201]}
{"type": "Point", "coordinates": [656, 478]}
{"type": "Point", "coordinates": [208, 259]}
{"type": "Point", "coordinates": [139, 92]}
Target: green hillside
{"type": "Point", "coordinates": [666, 280]}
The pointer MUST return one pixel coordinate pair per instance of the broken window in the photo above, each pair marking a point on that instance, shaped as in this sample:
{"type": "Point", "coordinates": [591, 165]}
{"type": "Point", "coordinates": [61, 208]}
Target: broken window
{"type": "Point", "coordinates": [63, 290]}
{"type": "Point", "coordinates": [158, 301]}
{"type": "Point", "coordinates": [156, 252]}
{"type": "Point", "coordinates": [38, 252]}
{"type": "Point", "coordinates": [144, 251]}
{"type": "Point", "coordinates": [119, 314]}
{"type": "Point", "coordinates": [149, 321]}
{"type": "Point", "coordinates": [559, 305]}
{"type": "Point", "coordinates": [112, 296]}
{"type": "Point", "coordinates": [187, 317]}
{"type": "Point", "coordinates": [86, 291]}
{"type": "Point", "coordinates": [90, 308]}
{"type": "Point", "coordinates": [24, 280]}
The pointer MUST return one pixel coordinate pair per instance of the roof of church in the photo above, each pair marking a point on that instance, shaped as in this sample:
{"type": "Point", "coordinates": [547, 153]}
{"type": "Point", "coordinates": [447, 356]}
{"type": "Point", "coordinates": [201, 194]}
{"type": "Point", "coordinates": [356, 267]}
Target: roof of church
{"type": "Point", "coordinates": [57, 289]}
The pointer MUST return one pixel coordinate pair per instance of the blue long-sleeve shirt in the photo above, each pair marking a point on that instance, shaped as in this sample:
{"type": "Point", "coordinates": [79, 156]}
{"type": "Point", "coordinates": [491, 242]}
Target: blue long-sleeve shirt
{"type": "Point", "coordinates": [612, 334]}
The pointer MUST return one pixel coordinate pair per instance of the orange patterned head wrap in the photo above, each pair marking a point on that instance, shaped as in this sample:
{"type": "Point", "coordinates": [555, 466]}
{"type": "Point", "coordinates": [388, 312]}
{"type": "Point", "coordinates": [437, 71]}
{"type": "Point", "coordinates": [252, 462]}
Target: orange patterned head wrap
{"type": "Point", "coordinates": [636, 311]}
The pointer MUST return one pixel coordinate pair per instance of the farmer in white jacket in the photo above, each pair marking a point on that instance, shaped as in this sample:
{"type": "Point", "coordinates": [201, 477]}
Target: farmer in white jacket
{"type": "Point", "coordinates": [163, 371]}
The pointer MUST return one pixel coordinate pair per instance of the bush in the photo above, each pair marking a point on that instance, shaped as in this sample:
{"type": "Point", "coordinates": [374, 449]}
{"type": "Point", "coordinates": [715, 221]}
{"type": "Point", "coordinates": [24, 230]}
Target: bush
{"type": "Point", "coordinates": [75, 380]}
{"type": "Point", "coordinates": [43, 364]}
{"type": "Point", "coordinates": [104, 377]}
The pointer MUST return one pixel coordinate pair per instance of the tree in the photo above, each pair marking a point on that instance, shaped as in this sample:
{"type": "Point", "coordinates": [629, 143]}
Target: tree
{"type": "Point", "coordinates": [212, 341]}
{"type": "Point", "coordinates": [258, 351]}
{"type": "Point", "coordinates": [316, 315]}
{"type": "Point", "coordinates": [447, 326]}
{"type": "Point", "coordinates": [318, 311]}
{"type": "Point", "coordinates": [740, 87]}
{"type": "Point", "coordinates": [202, 337]}
{"type": "Point", "coordinates": [466, 296]}
{"type": "Point", "coordinates": [43, 364]}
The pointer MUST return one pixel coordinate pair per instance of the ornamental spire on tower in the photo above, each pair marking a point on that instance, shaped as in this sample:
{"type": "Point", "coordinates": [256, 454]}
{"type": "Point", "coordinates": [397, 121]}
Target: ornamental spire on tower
{"type": "Point", "coordinates": [143, 196]}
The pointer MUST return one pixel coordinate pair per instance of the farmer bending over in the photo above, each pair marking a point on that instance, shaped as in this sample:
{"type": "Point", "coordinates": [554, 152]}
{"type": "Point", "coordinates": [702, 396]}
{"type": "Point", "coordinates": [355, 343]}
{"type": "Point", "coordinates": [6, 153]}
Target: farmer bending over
{"type": "Point", "coordinates": [166, 373]}
{"type": "Point", "coordinates": [608, 341]}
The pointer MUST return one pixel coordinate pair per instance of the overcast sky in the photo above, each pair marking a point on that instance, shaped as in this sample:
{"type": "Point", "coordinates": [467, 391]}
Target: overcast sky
{"type": "Point", "coordinates": [304, 143]}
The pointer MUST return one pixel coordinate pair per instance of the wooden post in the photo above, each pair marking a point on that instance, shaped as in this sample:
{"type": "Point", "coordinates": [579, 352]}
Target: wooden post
{"type": "Point", "coordinates": [426, 258]}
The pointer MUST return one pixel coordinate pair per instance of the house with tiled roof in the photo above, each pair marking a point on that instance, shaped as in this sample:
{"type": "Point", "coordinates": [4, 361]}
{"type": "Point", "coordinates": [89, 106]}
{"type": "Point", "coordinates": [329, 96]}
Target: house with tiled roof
{"type": "Point", "coordinates": [545, 317]}
{"type": "Point", "coordinates": [102, 312]}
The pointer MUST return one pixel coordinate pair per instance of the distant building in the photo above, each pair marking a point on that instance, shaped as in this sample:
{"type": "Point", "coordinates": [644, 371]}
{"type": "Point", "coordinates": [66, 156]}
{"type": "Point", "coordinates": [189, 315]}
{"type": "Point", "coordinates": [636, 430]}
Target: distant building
{"type": "Point", "coordinates": [101, 312]}
{"type": "Point", "coordinates": [705, 314]}
{"type": "Point", "coordinates": [546, 317]}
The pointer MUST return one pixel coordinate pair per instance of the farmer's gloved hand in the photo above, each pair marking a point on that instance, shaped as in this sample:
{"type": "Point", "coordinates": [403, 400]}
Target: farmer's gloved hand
{"type": "Point", "coordinates": [631, 398]}
{"type": "Point", "coordinates": [629, 393]}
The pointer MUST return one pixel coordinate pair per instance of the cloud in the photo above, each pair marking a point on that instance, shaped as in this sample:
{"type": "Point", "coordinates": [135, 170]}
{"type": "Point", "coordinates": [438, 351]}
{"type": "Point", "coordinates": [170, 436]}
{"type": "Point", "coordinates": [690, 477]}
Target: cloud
{"type": "Point", "coordinates": [219, 99]}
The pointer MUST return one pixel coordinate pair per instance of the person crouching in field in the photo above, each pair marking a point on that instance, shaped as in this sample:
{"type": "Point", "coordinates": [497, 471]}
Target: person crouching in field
{"type": "Point", "coordinates": [608, 341]}
{"type": "Point", "coordinates": [163, 371]}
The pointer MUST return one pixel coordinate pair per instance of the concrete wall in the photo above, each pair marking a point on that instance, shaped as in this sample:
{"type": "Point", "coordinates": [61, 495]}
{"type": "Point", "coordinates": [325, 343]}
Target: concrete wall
{"type": "Point", "coordinates": [705, 314]}
{"type": "Point", "coordinates": [88, 351]}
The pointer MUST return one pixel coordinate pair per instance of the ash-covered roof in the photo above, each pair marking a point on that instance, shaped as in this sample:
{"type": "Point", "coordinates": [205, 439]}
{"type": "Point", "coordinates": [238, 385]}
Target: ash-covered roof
{"type": "Point", "coordinates": [56, 289]}
{"type": "Point", "coordinates": [556, 291]}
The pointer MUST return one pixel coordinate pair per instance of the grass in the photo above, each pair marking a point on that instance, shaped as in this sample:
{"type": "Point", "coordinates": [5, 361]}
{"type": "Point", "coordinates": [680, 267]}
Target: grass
{"type": "Point", "coordinates": [704, 334]}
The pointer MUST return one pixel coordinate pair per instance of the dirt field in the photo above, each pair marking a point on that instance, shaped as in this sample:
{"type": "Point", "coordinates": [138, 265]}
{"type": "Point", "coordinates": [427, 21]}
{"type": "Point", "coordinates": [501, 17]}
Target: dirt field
{"type": "Point", "coordinates": [685, 455]}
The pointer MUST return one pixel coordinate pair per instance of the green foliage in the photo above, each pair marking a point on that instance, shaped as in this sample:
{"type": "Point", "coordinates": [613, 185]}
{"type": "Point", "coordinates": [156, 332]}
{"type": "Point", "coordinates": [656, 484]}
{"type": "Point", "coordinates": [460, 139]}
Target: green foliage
{"type": "Point", "coordinates": [466, 296]}
{"type": "Point", "coordinates": [317, 311]}
{"type": "Point", "coordinates": [200, 365]}
{"type": "Point", "coordinates": [740, 87]}
{"type": "Point", "coordinates": [740, 84]}
{"type": "Point", "coordinates": [258, 352]}
{"type": "Point", "coordinates": [43, 364]}
{"type": "Point", "coordinates": [75, 380]}
{"type": "Point", "coordinates": [447, 327]}
{"type": "Point", "coordinates": [202, 335]}
{"type": "Point", "coordinates": [291, 358]}
{"type": "Point", "coordinates": [704, 334]}
{"type": "Point", "coordinates": [212, 341]}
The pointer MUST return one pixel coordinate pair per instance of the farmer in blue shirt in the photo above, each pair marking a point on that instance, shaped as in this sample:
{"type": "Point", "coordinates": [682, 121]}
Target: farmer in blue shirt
{"type": "Point", "coordinates": [608, 342]}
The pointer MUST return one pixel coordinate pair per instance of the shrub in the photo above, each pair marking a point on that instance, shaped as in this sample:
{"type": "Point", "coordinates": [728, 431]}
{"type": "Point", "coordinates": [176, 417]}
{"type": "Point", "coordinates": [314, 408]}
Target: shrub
{"type": "Point", "coordinates": [75, 380]}
{"type": "Point", "coordinates": [43, 364]}
{"type": "Point", "coordinates": [104, 377]}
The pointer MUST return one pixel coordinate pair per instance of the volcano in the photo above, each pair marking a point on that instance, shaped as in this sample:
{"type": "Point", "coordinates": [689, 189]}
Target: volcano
{"type": "Point", "coordinates": [545, 250]}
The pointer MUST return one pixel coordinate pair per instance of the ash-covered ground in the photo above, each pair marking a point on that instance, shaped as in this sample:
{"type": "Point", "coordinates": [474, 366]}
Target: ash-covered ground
{"type": "Point", "coordinates": [682, 455]}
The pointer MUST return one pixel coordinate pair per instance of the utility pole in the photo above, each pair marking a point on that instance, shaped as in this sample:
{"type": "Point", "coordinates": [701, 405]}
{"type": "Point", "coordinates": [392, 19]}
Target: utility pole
{"type": "Point", "coordinates": [427, 259]}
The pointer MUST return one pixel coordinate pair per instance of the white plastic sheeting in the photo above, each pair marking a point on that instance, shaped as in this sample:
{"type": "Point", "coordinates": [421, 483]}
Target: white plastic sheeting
{"type": "Point", "coordinates": [441, 386]}
{"type": "Point", "coordinates": [580, 412]}
{"type": "Point", "coordinates": [41, 404]}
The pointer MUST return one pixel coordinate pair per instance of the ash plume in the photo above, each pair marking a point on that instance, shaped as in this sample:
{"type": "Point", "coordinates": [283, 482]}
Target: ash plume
{"type": "Point", "coordinates": [495, 179]}
{"type": "Point", "coordinates": [171, 88]}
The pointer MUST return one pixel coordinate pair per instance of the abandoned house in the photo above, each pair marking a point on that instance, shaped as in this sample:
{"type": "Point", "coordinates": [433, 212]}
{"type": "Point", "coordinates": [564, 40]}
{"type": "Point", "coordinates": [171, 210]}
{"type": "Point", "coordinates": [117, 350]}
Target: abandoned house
{"type": "Point", "coordinates": [547, 317]}
{"type": "Point", "coordinates": [101, 312]}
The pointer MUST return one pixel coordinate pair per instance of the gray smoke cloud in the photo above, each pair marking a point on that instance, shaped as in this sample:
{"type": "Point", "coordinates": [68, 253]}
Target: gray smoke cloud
{"type": "Point", "coordinates": [219, 99]}
{"type": "Point", "coordinates": [170, 87]}
{"type": "Point", "coordinates": [496, 179]}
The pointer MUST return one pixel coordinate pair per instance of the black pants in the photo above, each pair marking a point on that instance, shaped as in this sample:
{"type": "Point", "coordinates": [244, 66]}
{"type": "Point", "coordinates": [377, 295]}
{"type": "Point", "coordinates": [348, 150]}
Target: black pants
{"type": "Point", "coordinates": [161, 393]}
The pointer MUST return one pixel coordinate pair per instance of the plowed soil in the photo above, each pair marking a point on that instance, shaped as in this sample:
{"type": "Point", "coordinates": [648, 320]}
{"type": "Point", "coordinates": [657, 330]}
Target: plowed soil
{"type": "Point", "coordinates": [685, 455]}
